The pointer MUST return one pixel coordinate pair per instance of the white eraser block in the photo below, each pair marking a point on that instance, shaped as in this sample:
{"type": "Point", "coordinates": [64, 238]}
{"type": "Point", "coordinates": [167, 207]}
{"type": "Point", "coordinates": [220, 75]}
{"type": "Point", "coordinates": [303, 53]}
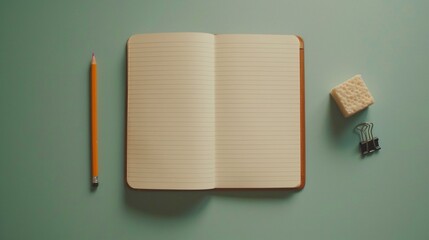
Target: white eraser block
{"type": "Point", "coordinates": [352, 96]}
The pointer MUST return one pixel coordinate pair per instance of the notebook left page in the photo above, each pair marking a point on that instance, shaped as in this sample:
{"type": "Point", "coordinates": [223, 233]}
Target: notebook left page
{"type": "Point", "coordinates": [170, 111]}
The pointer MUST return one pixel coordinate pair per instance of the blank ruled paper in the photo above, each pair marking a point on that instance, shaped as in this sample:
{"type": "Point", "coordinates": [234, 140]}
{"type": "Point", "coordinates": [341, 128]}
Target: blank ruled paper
{"type": "Point", "coordinates": [171, 113]}
{"type": "Point", "coordinates": [257, 111]}
{"type": "Point", "coordinates": [208, 111]}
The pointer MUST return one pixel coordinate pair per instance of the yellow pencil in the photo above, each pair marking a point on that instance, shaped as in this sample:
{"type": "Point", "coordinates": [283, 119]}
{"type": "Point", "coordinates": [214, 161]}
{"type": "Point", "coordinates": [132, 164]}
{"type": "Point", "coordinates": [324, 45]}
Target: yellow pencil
{"type": "Point", "coordinates": [94, 127]}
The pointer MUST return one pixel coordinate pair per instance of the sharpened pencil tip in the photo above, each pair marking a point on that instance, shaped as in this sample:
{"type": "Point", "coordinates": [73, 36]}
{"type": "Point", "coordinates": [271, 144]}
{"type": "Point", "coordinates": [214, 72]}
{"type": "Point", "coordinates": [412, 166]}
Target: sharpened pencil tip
{"type": "Point", "coordinates": [93, 58]}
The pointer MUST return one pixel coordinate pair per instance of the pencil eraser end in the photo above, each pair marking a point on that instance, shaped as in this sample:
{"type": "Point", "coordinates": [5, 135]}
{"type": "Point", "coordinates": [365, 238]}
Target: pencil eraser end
{"type": "Point", "coordinates": [352, 96]}
{"type": "Point", "coordinates": [95, 181]}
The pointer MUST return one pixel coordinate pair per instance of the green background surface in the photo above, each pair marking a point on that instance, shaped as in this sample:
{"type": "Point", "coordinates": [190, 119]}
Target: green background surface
{"type": "Point", "coordinates": [45, 50]}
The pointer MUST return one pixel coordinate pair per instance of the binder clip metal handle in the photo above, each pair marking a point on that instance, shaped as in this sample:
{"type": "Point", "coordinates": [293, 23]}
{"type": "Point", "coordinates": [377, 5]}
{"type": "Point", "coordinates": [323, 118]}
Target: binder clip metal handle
{"type": "Point", "coordinates": [368, 143]}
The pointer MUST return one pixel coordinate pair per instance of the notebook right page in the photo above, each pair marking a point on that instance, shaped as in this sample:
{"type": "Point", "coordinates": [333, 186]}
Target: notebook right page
{"type": "Point", "coordinates": [258, 132]}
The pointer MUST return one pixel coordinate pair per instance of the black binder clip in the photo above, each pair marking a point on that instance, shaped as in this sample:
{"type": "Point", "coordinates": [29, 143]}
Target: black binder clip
{"type": "Point", "coordinates": [368, 143]}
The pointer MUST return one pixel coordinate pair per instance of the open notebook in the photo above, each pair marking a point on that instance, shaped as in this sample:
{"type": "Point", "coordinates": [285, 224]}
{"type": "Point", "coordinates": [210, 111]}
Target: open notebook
{"type": "Point", "coordinates": [211, 111]}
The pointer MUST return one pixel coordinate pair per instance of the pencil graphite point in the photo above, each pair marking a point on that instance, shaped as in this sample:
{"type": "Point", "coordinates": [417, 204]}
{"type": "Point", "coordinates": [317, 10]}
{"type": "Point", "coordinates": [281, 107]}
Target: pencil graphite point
{"type": "Point", "coordinates": [93, 58]}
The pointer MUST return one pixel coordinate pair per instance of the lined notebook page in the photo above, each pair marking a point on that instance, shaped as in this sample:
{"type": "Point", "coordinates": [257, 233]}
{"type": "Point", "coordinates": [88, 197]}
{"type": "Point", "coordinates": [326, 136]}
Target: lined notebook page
{"type": "Point", "coordinates": [257, 111]}
{"type": "Point", "coordinates": [170, 124]}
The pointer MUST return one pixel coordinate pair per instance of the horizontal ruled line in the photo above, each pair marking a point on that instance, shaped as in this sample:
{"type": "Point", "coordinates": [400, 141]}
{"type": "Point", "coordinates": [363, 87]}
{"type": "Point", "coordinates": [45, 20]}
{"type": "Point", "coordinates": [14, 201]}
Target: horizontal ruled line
{"type": "Point", "coordinates": [255, 70]}
{"type": "Point", "coordinates": [287, 61]}
{"type": "Point", "coordinates": [266, 176]}
{"type": "Point", "coordinates": [266, 46]}
{"type": "Point", "coordinates": [168, 48]}
{"type": "Point", "coordinates": [219, 86]}
{"type": "Point", "coordinates": [161, 139]}
{"type": "Point", "coordinates": [256, 105]}
{"type": "Point", "coordinates": [282, 170]}
{"type": "Point", "coordinates": [174, 70]}
{"type": "Point", "coordinates": [169, 74]}
{"type": "Point", "coordinates": [160, 42]}
{"type": "Point", "coordinates": [207, 110]}
{"type": "Point", "coordinates": [153, 144]}
{"type": "Point", "coordinates": [256, 167]}
{"type": "Point", "coordinates": [158, 181]}
{"type": "Point", "coordinates": [279, 144]}
{"type": "Point", "coordinates": [231, 160]}
{"type": "Point", "coordinates": [144, 55]}
{"type": "Point", "coordinates": [246, 182]}
{"type": "Point", "coordinates": [178, 118]}
{"type": "Point", "coordinates": [137, 158]}
{"type": "Point", "coordinates": [144, 83]}
{"type": "Point", "coordinates": [256, 73]}
{"type": "Point", "coordinates": [267, 84]}
{"type": "Point", "coordinates": [169, 177]}
{"type": "Point", "coordinates": [206, 140]}
{"type": "Point", "coordinates": [284, 53]}
{"type": "Point", "coordinates": [177, 45]}
{"type": "Point", "coordinates": [247, 57]}
{"type": "Point", "coordinates": [187, 131]}
{"type": "Point", "coordinates": [176, 79]}
{"type": "Point", "coordinates": [178, 167]}
{"type": "Point", "coordinates": [174, 59]}
{"type": "Point", "coordinates": [267, 68]}
{"type": "Point", "coordinates": [266, 94]}
{"type": "Point", "coordinates": [132, 147]}
{"type": "Point", "coordinates": [244, 43]}
{"type": "Point", "coordinates": [193, 66]}
{"type": "Point", "coordinates": [274, 134]}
